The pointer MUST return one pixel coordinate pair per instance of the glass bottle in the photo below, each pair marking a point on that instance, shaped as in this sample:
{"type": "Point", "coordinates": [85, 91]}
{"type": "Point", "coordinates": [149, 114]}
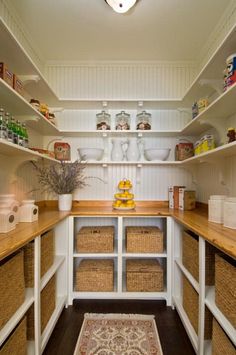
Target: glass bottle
{"type": "Point", "coordinates": [123, 121]}
{"type": "Point", "coordinates": [25, 136]}
{"type": "Point", "coordinates": [14, 130]}
{"type": "Point", "coordinates": [143, 121]}
{"type": "Point", "coordinates": [103, 121]}
{"type": "Point", "coordinates": [20, 134]}
{"type": "Point", "coordinates": [3, 127]}
{"type": "Point", "coordinates": [8, 125]}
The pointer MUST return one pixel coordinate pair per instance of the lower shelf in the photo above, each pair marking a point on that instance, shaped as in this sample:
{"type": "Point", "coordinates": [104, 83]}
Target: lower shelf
{"type": "Point", "coordinates": [10, 325]}
{"type": "Point", "coordinates": [187, 325]}
{"type": "Point", "coordinates": [60, 303]}
{"type": "Point", "coordinates": [219, 316]}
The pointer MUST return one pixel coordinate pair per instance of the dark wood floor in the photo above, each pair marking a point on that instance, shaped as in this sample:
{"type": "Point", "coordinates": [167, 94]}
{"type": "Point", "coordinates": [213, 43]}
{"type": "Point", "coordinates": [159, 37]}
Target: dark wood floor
{"type": "Point", "coordinates": [174, 339]}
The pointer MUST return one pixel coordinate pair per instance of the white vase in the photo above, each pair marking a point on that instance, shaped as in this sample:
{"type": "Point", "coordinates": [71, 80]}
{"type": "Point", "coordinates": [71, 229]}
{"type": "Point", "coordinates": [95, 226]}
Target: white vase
{"type": "Point", "coordinates": [133, 152]}
{"type": "Point", "coordinates": [65, 202]}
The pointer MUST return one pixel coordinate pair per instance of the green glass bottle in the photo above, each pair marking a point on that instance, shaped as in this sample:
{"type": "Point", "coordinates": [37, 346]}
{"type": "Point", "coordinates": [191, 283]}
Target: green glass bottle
{"type": "Point", "coordinates": [25, 136]}
{"type": "Point", "coordinates": [3, 127]}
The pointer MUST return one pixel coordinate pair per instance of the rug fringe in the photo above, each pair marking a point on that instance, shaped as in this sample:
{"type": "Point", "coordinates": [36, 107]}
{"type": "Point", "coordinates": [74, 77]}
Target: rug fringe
{"type": "Point", "coordinates": [118, 316]}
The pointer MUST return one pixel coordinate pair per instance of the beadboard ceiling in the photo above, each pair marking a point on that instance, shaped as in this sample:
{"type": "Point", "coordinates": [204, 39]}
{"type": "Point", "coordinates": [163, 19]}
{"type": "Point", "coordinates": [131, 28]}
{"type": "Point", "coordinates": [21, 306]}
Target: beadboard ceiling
{"type": "Point", "coordinates": [89, 30]}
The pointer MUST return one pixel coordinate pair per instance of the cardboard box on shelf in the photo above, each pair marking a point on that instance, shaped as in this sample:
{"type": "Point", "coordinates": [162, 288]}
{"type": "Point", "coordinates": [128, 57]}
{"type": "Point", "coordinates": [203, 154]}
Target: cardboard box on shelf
{"type": "Point", "coordinates": [187, 199]}
{"type": "Point", "coordinates": [6, 74]}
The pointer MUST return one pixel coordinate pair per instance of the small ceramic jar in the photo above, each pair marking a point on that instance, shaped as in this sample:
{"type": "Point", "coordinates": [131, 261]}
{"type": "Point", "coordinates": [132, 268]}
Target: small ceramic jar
{"type": "Point", "coordinates": [9, 200]}
{"type": "Point", "coordinates": [230, 212]}
{"type": "Point", "coordinates": [216, 208]}
{"type": "Point", "coordinates": [7, 219]}
{"type": "Point", "coordinates": [28, 211]}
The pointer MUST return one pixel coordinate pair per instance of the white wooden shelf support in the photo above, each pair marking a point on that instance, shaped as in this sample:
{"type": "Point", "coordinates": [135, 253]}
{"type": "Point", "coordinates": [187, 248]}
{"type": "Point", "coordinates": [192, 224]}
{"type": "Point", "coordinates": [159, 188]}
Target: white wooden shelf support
{"type": "Point", "coordinates": [138, 173]}
{"type": "Point", "coordinates": [27, 79]}
{"type": "Point", "coordinates": [215, 84]}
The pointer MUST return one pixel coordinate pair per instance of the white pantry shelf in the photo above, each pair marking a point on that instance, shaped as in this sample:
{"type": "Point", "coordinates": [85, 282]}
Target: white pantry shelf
{"type": "Point", "coordinates": [116, 133]}
{"type": "Point", "coordinates": [224, 151]}
{"type": "Point", "coordinates": [144, 255]}
{"type": "Point", "coordinates": [17, 105]}
{"type": "Point", "coordinates": [10, 325]}
{"type": "Point", "coordinates": [95, 255]}
{"type": "Point", "coordinates": [186, 322]}
{"type": "Point", "coordinates": [187, 274]}
{"type": "Point", "coordinates": [20, 63]}
{"type": "Point", "coordinates": [139, 163]}
{"type": "Point", "coordinates": [221, 108]}
{"type": "Point", "coordinates": [221, 319]}
{"type": "Point", "coordinates": [212, 70]}
{"type": "Point", "coordinates": [58, 261]}
{"type": "Point", "coordinates": [14, 150]}
{"type": "Point", "coordinates": [60, 304]}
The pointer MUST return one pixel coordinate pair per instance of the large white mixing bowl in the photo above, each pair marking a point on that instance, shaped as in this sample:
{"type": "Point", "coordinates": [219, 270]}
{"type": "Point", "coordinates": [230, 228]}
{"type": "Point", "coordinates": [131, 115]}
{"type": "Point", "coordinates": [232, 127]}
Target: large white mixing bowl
{"type": "Point", "coordinates": [90, 153]}
{"type": "Point", "coordinates": [156, 153]}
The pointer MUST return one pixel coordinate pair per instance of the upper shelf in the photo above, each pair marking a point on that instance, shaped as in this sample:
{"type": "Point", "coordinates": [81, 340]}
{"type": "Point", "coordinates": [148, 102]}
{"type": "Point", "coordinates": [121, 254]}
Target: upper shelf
{"type": "Point", "coordinates": [12, 49]}
{"type": "Point", "coordinates": [13, 150]}
{"type": "Point", "coordinates": [116, 133]}
{"type": "Point", "coordinates": [223, 107]}
{"type": "Point", "coordinates": [213, 69]}
{"type": "Point", "coordinates": [18, 106]}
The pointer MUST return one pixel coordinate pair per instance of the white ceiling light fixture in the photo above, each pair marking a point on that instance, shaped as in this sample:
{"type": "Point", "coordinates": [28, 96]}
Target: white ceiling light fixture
{"type": "Point", "coordinates": [121, 6]}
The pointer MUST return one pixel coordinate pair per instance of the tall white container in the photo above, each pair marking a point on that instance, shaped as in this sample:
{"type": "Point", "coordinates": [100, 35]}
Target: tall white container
{"type": "Point", "coordinates": [230, 212]}
{"type": "Point", "coordinates": [216, 208]}
{"type": "Point", "coordinates": [9, 200]}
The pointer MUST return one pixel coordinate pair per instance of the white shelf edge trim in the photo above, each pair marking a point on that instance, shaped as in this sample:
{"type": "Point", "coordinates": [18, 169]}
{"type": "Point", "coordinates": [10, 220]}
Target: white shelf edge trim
{"type": "Point", "coordinates": [187, 274]}
{"type": "Point", "coordinates": [60, 303]}
{"type": "Point", "coordinates": [221, 319]}
{"type": "Point", "coordinates": [10, 325]}
{"type": "Point", "coordinates": [120, 295]}
{"type": "Point", "coordinates": [187, 325]}
{"type": "Point", "coordinates": [95, 255]}
{"type": "Point", "coordinates": [58, 260]}
{"type": "Point", "coordinates": [144, 255]}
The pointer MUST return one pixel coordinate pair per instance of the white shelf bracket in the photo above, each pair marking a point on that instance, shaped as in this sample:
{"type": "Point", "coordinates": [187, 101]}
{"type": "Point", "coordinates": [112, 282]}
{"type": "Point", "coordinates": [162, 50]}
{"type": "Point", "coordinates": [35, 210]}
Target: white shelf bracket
{"type": "Point", "coordinates": [138, 173]}
{"type": "Point", "coordinates": [104, 104]}
{"type": "Point", "coordinates": [215, 84]}
{"type": "Point", "coordinates": [56, 109]}
{"type": "Point", "coordinates": [29, 118]}
{"type": "Point", "coordinates": [105, 173]}
{"type": "Point", "coordinates": [192, 170]}
{"type": "Point", "coordinates": [27, 79]}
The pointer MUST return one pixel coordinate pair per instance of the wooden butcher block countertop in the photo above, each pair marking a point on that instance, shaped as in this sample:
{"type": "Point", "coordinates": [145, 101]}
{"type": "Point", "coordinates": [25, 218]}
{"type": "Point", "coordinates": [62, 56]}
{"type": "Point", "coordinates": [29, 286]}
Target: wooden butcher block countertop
{"type": "Point", "coordinates": [223, 238]}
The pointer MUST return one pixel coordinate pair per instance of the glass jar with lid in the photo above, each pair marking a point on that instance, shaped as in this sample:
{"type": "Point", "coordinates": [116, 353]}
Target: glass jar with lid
{"type": "Point", "coordinates": [143, 121]}
{"type": "Point", "coordinates": [123, 121]}
{"type": "Point", "coordinates": [103, 121]}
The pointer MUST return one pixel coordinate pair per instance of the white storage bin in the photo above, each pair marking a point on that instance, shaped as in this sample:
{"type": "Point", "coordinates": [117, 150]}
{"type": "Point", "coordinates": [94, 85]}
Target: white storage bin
{"type": "Point", "coordinates": [216, 208]}
{"type": "Point", "coordinates": [230, 212]}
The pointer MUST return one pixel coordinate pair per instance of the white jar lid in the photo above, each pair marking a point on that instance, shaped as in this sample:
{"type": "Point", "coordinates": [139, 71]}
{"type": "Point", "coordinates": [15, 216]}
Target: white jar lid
{"type": "Point", "coordinates": [28, 202]}
{"type": "Point", "coordinates": [218, 197]}
{"type": "Point", "coordinates": [230, 199]}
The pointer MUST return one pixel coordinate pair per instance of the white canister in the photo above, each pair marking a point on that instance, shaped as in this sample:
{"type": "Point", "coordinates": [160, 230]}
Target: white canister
{"type": "Point", "coordinates": [230, 212]}
{"type": "Point", "coordinates": [7, 219]}
{"type": "Point", "coordinates": [9, 200]}
{"type": "Point", "coordinates": [28, 211]}
{"type": "Point", "coordinates": [216, 208]}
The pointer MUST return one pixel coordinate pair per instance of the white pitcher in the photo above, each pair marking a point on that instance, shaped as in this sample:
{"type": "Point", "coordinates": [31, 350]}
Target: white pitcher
{"type": "Point", "coordinates": [133, 151]}
{"type": "Point", "coordinates": [117, 153]}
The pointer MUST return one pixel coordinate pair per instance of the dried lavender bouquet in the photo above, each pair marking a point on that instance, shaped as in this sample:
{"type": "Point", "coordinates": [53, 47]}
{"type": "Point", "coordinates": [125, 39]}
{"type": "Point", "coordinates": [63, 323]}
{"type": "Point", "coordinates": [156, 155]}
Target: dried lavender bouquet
{"type": "Point", "coordinates": [61, 178]}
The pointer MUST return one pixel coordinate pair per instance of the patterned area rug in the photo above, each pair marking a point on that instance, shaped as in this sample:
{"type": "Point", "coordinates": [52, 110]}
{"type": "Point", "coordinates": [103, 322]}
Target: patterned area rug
{"type": "Point", "coordinates": [118, 334]}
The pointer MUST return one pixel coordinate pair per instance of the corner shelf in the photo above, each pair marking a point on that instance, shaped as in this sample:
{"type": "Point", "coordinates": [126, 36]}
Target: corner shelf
{"type": "Point", "coordinates": [226, 150]}
{"type": "Point", "coordinates": [10, 325]}
{"type": "Point", "coordinates": [222, 107]}
{"type": "Point", "coordinates": [10, 149]}
{"type": "Point", "coordinates": [17, 105]}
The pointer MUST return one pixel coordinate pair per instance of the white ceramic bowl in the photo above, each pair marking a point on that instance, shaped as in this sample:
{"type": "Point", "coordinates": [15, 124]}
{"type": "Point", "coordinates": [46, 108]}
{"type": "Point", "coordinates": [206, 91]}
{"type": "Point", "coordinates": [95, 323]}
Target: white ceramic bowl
{"type": "Point", "coordinates": [156, 154]}
{"type": "Point", "coordinates": [90, 153]}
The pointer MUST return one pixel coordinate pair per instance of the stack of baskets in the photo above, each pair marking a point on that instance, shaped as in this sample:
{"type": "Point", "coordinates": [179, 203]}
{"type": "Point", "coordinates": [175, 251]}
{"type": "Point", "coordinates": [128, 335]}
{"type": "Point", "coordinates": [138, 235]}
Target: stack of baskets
{"type": "Point", "coordinates": [95, 275]}
{"type": "Point", "coordinates": [190, 259]}
{"type": "Point", "coordinates": [46, 261]}
{"type": "Point", "coordinates": [144, 275]}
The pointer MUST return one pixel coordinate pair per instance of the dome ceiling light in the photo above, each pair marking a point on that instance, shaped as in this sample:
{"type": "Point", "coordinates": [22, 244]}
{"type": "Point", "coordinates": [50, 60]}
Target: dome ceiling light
{"type": "Point", "coordinates": [121, 6]}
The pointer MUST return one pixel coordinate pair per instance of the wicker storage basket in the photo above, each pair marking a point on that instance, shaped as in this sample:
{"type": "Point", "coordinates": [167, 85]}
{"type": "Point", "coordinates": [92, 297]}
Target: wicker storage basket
{"type": "Point", "coordinates": [48, 304]}
{"type": "Point", "coordinates": [221, 344]}
{"type": "Point", "coordinates": [225, 287]}
{"type": "Point", "coordinates": [95, 240]}
{"type": "Point", "coordinates": [145, 275]}
{"type": "Point", "coordinates": [12, 286]}
{"type": "Point", "coordinates": [144, 240]}
{"type": "Point", "coordinates": [16, 344]}
{"type": "Point", "coordinates": [47, 257]}
{"type": "Point", "coordinates": [190, 305]}
{"type": "Point", "coordinates": [95, 276]}
{"type": "Point", "coordinates": [190, 257]}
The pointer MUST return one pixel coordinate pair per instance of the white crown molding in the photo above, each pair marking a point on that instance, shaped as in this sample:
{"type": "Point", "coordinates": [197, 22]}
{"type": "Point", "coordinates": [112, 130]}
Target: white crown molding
{"type": "Point", "coordinates": [182, 64]}
{"type": "Point", "coordinates": [226, 22]}
{"type": "Point", "coordinates": [15, 24]}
